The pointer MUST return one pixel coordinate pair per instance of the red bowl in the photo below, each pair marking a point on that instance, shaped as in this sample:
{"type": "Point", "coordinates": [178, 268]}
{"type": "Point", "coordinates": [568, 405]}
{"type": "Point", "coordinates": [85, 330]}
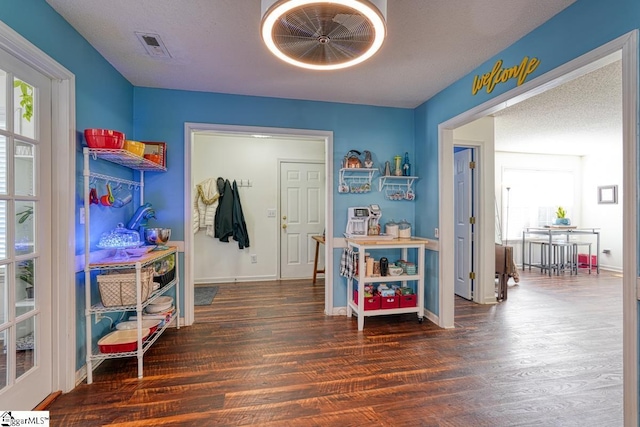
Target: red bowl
{"type": "Point", "coordinates": [104, 138]}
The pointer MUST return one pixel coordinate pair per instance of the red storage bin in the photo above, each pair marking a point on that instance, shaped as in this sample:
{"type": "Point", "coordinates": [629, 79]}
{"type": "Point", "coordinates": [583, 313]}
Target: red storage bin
{"type": "Point", "coordinates": [390, 302]}
{"type": "Point", "coordinates": [408, 300]}
{"type": "Point", "coordinates": [370, 303]}
{"type": "Point", "coordinates": [583, 260]}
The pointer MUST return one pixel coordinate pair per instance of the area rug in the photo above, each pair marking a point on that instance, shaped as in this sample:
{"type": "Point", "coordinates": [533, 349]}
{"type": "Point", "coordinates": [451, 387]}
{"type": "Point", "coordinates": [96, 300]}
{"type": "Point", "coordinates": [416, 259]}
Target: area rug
{"type": "Point", "coordinates": [204, 294]}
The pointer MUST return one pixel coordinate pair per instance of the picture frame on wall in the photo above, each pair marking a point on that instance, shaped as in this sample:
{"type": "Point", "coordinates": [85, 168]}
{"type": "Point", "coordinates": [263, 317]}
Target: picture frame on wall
{"type": "Point", "coordinates": [607, 194]}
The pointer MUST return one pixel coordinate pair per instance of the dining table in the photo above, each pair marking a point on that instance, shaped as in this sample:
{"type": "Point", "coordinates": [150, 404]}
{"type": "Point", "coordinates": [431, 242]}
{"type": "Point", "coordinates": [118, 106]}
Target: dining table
{"type": "Point", "coordinates": [550, 232]}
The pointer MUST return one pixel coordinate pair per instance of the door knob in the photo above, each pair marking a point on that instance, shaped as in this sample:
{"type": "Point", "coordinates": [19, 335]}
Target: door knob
{"type": "Point", "coordinates": [284, 217]}
{"type": "Point", "coordinates": [284, 226]}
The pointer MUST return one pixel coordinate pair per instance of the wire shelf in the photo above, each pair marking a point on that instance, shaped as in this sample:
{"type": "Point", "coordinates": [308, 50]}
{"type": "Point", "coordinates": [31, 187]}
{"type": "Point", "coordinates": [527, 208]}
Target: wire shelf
{"type": "Point", "coordinates": [126, 158]}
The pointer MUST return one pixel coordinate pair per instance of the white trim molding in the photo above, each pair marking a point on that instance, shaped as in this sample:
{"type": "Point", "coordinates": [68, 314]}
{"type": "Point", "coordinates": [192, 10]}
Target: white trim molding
{"type": "Point", "coordinates": [189, 130]}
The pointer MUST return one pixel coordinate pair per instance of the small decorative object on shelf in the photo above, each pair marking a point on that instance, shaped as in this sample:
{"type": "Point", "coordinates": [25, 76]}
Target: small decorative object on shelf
{"type": "Point", "coordinates": [398, 169]}
{"type": "Point", "coordinates": [387, 169]}
{"type": "Point", "coordinates": [352, 160]}
{"type": "Point", "coordinates": [368, 162]}
{"type": "Point", "coordinates": [406, 167]}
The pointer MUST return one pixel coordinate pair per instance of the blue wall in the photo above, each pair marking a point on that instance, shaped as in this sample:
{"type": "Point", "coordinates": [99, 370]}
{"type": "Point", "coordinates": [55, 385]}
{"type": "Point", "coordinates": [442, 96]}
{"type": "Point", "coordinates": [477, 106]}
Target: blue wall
{"type": "Point", "coordinates": [160, 115]}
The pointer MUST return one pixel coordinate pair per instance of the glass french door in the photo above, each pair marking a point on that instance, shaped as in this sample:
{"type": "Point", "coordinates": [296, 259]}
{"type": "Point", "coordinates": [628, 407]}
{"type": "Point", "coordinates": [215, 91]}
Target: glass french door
{"type": "Point", "coordinates": [25, 236]}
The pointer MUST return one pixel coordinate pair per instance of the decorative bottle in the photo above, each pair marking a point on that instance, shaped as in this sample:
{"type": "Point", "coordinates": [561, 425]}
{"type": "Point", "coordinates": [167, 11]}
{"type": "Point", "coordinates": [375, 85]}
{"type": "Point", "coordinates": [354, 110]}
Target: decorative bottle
{"type": "Point", "coordinates": [398, 167]}
{"type": "Point", "coordinates": [406, 167]}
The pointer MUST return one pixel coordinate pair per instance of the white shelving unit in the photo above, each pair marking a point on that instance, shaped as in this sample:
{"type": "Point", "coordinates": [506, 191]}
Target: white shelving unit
{"type": "Point", "coordinates": [362, 246]}
{"type": "Point", "coordinates": [397, 187]}
{"type": "Point", "coordinates": [123, 158]}
{"type": "Point", "coordinates": [356, 180]}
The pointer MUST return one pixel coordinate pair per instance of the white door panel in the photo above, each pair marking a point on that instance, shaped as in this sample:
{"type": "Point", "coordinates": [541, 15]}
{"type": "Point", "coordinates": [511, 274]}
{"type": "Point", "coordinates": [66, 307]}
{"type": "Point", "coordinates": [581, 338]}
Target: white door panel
{"type": "Point", "coordinates": [302, 216]}
{"type": "Point", "coordinates": [463, 227]}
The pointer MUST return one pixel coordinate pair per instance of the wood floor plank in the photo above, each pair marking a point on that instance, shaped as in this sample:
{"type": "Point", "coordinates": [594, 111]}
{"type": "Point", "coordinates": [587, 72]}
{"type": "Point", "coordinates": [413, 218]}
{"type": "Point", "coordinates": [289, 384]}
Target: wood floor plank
{"type": "Point", "coordinates": [265, 354]}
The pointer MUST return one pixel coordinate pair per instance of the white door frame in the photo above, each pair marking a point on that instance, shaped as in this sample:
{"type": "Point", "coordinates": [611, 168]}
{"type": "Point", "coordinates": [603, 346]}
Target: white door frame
{"type": "Point", "coordinates": [628, 45]}
{"type": "Point", "coordinates": [189, 130]}
{"type": "Point", "coordinates": [63, 137]}
{"type": "Point", "coordinates": [279, 201]}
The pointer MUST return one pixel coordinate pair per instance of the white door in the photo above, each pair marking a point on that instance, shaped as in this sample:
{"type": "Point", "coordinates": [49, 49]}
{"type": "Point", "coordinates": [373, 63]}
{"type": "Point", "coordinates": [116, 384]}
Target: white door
{"type": "Point", "coordinates": [463, 226]}
{"type": "Point", "coordinates": [302, 195]}
{"type": "Point", "coordinates": [25, 236]}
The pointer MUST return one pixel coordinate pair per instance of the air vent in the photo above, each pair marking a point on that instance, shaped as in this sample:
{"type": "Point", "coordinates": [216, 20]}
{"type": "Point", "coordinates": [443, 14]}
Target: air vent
{"type": "Point", "coordinates": [153, 44]}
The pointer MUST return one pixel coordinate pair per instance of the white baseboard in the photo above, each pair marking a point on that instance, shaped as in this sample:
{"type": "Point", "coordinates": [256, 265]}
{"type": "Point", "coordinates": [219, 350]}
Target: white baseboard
{"type": "Point", "coordinates": [207, 280]}
{"type": "Point", "coordinates": [81, 374]}
{"type": "Point", "coordinates": [339, 311]}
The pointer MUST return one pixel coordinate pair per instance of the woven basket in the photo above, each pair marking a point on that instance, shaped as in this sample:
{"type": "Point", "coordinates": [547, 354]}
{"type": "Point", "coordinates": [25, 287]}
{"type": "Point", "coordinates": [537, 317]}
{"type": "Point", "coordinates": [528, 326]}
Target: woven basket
{"type": "Point", "coordinates": [119, 287]}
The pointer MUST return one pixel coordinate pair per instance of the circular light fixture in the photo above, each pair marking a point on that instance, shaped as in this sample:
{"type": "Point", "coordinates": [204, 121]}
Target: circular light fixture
{"type": "Point", "coordinates": [324, 34]}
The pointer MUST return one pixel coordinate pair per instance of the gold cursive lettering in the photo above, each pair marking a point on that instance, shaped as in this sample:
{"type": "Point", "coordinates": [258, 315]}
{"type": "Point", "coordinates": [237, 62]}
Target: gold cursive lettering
{"type": "Point", "coordinates": [502, 75]}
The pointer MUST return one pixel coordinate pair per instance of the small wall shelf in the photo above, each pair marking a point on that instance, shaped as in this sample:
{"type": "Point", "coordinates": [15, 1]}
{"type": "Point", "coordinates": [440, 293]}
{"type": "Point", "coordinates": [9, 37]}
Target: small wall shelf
{"type": "Point", "coordinates": [356, 180]}
{"type": "Point", "coordinates": [397, 187]}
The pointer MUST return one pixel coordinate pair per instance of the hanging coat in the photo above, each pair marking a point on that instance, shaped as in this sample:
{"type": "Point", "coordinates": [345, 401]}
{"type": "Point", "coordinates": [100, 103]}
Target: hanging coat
{"type": "Point", "coordinates": [205, 206]}
{"type": "Point", "coordinates": [240, 233]}
{"type": "Point", "coordinates": [224, 212]}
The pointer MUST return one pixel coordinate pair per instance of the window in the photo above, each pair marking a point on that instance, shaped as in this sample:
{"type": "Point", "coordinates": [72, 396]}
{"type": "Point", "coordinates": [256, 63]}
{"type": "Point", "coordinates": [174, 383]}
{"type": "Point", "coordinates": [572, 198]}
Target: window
{"type": "Point", "coordinates": [531, 197]}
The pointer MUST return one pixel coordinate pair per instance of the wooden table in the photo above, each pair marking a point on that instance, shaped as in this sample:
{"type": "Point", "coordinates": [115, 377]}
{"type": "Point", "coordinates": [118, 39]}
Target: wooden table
{"type": "Point", "coordinates": [319, 240]}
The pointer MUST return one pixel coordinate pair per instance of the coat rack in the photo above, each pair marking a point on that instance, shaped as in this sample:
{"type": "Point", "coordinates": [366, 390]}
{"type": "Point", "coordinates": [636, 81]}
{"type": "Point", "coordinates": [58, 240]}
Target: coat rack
{"type": "Point", "coordinates": [244, 183]}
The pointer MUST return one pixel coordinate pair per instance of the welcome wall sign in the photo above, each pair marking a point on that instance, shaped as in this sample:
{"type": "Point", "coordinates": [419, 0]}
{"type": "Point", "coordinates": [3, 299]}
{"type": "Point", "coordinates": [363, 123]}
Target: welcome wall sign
{"type": "Point", "coordinates": [503, 75]}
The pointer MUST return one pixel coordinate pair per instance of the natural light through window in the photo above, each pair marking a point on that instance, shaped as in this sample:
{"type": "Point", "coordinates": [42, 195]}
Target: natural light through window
{"type": "Point", "coordinates": [533, 198]}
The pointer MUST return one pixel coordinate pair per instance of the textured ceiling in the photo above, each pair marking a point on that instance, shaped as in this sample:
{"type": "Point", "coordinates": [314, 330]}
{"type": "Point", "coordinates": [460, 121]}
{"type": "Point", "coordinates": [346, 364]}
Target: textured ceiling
{"type": "Point", "coordinates": [577, 118]}
{"type": "Point", "coordinates": [216, 47]}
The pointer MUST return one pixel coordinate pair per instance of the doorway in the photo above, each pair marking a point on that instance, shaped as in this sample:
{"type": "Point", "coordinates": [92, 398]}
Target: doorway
{"type": "Point", "coordinates": [257, 256]}
{"type": "Point", "coordinates": [578, 67]}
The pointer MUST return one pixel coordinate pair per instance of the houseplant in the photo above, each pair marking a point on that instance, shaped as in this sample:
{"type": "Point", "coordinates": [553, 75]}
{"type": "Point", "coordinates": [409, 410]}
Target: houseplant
{"type": "Point", "coordinates": [561, 217]}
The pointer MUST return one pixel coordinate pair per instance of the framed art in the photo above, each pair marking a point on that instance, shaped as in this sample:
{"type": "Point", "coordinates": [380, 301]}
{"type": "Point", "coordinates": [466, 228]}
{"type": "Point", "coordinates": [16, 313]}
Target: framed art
{"type": "Point", "coordinates": [607, 194]}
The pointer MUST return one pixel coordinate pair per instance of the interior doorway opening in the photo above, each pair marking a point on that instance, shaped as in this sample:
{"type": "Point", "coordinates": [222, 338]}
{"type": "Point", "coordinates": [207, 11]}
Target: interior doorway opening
{"type": "Point", "coordinates": [268, 226]}
{"type": "Point", "coordinates": [626, 48]}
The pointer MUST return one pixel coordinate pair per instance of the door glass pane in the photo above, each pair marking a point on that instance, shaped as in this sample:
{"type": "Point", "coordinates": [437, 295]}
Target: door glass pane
{"type": "Point", "coordinates": [4, 340]}
{"type": "Point", "coordinates": [25, 227]}
{"type": "Point", "coordinates": [24, 169]}
{"type": "Point", "coordinates": [25, 346]}
{"type": "Point", "coordinates": [3, 229]}
{"type": "Point", "coordinates": [24, 111]}
{"type": "Point", "coordinates": [25, 285]}
{"type": "Point", "coordinates": [3, 164]}
{"type": "Point", "coordinates": [3, 100]}
{"type": "Point", "coordinates": [4, 312]}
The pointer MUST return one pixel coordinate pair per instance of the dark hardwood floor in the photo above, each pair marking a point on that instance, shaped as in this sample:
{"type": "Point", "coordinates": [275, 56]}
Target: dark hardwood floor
{"type": "Point", "coordinates": [264, 354]}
